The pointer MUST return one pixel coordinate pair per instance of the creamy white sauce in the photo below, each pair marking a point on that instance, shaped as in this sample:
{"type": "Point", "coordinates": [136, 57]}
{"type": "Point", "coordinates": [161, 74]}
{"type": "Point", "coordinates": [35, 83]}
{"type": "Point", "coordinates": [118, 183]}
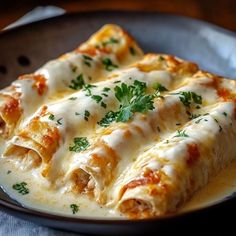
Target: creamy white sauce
{"type": "Point", "coordinates": [58, 200]}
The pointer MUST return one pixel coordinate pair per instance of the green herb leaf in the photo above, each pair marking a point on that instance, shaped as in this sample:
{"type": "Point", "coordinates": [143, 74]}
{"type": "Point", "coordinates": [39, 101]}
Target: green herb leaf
{"type": "Point", "coordinates": [106, 89]}
{"type": "Point", "coordinates": [51, 117]}
{"type": "Point", "coordinates": [160, 88]}
{"type": "Point", "coordinates": [181, 133]}
{"type": "Point", "coordinates": [108, 119]}
{"type": "Point", "coordinates": [88, 58]}
{"type": "Point", "coordinates": [72, 98]}
{"type": "Point", "coordinates": [74, 208]}
{"type": "Point", "coordinates": [21, 188]}
{"type": "Point", "coordinates": [80, 144]}
{"type": "Point", "coordinates": [87, 88]}
{"type": "Point", "coordinates": [77, 83]}
{"type": "Point", "coordinates": [110, 41]}
{"type": "Point", "coordinates": [104, 105]}
{"type": "Point", "coordinates": [86, 115]}
{"type": "Point", "coordinates": [188, 97]}
{"type": "Point", "coordinates": [97, 98]}
{"type": "Point", "coordinates": [109, 66]}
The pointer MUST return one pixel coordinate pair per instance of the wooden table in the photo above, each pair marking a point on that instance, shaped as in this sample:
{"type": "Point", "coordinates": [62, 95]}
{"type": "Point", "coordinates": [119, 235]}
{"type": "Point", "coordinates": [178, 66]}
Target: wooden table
{"type": "Point", "coordinates": [220, 12]}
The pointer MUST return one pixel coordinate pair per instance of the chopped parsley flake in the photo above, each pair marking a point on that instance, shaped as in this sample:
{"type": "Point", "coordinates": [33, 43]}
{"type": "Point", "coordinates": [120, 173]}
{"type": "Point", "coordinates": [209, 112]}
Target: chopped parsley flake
{"type": "Point", "coordinates": [108, 119]}
{"type": "Point", "coordinates": [77, 83]}
{"type": "Point", "coordinates": [109, 66]}
{"type": "Point", "coordinates": [51, 117]}
{"type": "Point", "coordinates": [80, 144]}
{"type": "Point", "coordinates": [77, 113]}
{"type": "Point", "coordinates": [116, 82]}
{"type": "Point", "coordinates": [105, 95]}
{"type": "Point", "coordinates": [74, 68]}
{"type": "Point", "coordinates": [106, 89]}
{"type": "Point", "coordinates": [86, 115]}
{"type": "Point", "coordinates": [189, 97]}
{"type": "Point", "coordinates": [161, 58]}
{"type": "Point", "coordinates": [132, 51]}
{"type": "Point", "coordinates": [97, 98]}
{"type": "Point", "coordinates": [87, 60]}
{"type": "Point", "coordinates": [21, 188]}
{"type": "Point", "coordinates": [224, 113]}
{"type": "Point", "coordinates": [159, 88]}
{"type": "Point", "coordinates": [181, 133]}
{"type": "Point", "coordinates": [110, 41]}
{"type": "Point", "coordinates": [74, 208]}
{"type": "Point", "coordinates": [72, 98]}
{"type": "Point", "coordinates": [87, 88]}
{"type": "Point", "coordinates": [8, 172]}
{"type": "Point", "coordinates": [104, 105]}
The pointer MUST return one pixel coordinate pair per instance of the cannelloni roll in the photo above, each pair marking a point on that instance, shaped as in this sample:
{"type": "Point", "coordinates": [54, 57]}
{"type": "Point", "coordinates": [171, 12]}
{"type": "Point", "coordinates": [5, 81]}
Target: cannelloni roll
{"type": "Point", "coordinates": [107, 50]}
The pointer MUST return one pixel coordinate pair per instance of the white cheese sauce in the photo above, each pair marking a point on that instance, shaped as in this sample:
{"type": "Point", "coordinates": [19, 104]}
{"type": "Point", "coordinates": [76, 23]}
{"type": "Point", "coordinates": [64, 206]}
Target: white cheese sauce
{"type": "Point", "coordinates": [57, 200]}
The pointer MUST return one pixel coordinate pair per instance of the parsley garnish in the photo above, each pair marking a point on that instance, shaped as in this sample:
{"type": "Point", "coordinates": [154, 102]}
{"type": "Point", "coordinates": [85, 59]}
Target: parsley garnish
{"type": "Point", "coordinates": [97, 98]}
{"type": "Point", "coordinates": [87, 60]}
{"type": "Point", "coordinates": [181, 133]}
{"type": "Point", "coordinates": [161, 58]}
{"type": "Point", "coordinates": [109, 66]}
{"type": "Point", "coordinates": [80, 144]}
{"type": "Point", "coordinates": [51, 117]}
{"type": "Point", "coordinates": [86, 115]}
{"type": "Point", "coordinates": [132, 98]}
{"type": "Point", "coordinates": [106, 89]}
{"type": "Point", "coordinates": [77, 83]}
{"type": "Point", "coordinates": [189, 97]}
{"type": "Point", "coordinates": [104, 105]}
{"type": "Point", "coordinates": [87, 88]}
{"type": "Point", "coordinates": [108, 119]}
{"type": "Point", "coordinates": [224, 113]}
{"type": "Point", "coordinates": [110, 41]}
{"type": "Point", "coordinates": [8, 172]}
{"type": "Point", "coordinates": [74, 208]}
{"type": "Point", "coordinates": [77, 113]}
{"type": "Point", "coordinates": [159, 88]}
{"type": "Point", "coordinates": [132, 51]}
{"type": "Point", "coordinates": [116, 82]}
{"type": "Point", "coordinates": [74, 68]}
{"type": "Point", "coordinates": [105, 95]}
{"type": "Point", "coordinates": [21, 188]}
{"type": "Point", "coordinates": [72, 98]}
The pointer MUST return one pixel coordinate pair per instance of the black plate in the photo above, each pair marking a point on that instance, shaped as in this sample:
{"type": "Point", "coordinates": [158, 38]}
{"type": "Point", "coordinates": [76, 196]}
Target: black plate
{"type": "Point", "coordinates": [24, 49]}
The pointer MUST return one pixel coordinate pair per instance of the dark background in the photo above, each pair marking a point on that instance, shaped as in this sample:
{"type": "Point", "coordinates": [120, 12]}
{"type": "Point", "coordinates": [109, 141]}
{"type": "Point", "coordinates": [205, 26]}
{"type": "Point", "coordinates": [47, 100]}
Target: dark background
{"type": "Point", "coordinates": [220, 12]}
